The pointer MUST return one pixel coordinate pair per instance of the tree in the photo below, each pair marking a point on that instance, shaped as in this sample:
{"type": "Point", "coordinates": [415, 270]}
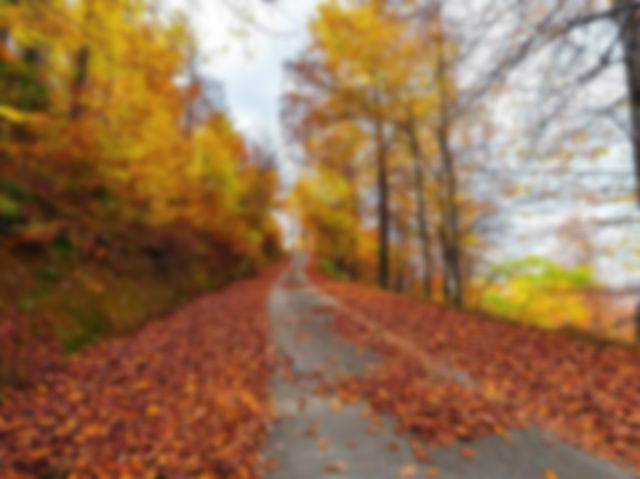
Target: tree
{"type": "Point", "coordinates": [629, 20]}
{"type": "Point", "coordinates": [353, 71]}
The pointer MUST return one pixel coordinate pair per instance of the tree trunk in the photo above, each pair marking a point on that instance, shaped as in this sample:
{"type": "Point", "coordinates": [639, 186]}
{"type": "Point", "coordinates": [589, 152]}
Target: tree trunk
{"type": "Point", "coordinates": [421, 211]}
{"type": "Point", "coordinates": [81, 77]}
{"type": "Point", "coordinates": [450, 235]}
{"type": "Point", "coordinates": [630, 34]}
{"type": "Point", "coordinates": [383, 206]}
{"type": "Point", "coordinates": [451, 247]}
{"type": "Point", "coordinates": [80, 81]}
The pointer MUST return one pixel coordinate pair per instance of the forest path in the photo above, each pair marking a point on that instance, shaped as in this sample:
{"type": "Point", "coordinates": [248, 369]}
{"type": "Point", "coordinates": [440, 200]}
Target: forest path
{"type": "Point", "coordinates": [317, 436]}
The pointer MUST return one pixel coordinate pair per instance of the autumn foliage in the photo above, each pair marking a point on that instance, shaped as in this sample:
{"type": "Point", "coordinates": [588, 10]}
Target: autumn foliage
{"type": "Point", "coordinates": [185, 397]}
{"type": "Point", "coordinates": [125, 188]}
{"type": "Point", "coordinates": [416, 176]}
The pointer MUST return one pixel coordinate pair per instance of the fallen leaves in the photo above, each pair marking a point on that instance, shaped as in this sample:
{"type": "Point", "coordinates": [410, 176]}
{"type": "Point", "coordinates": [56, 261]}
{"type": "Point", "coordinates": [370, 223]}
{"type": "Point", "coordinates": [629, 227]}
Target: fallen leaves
{"type": "Point", "coordinates": [312, 429]}
{"type": "Point", "coordinates": [336, 467]}
{"type": "Point", "coordinates": [585, 393]}
{"type": "Point", "coordinates": [467, 452]}
{"type": "Point", "coordinates": [420, 454]}
{"type": "Point", "coordinates": [185, 397]}
{"type": "Point", "coordinates": [323, 444]}
{"type": "Point", "coordinates": [408, 471]}
{"type": "Point", "coordinates": [441, 412]}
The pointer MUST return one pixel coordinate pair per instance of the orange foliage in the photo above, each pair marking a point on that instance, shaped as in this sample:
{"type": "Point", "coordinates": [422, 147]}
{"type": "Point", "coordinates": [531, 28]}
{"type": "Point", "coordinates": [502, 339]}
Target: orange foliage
{"type": "Point", "coordinates": [186, 396]}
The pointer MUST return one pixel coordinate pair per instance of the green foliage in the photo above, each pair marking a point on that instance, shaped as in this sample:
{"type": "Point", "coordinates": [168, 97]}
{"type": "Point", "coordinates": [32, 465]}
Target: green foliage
{"type": "Point", "coordinates": [538, 290]}
{"type": "Point", "coordinates": [48, 275]}
{"type": "Point", "coordinates": [22, 85]}
{"type": "Point", "coordinates": [329, 268]}
{"type": "Point", "coordinates": [9, 208]}
{"type": "Point", "coordinates": [87, 326]}
{"type": "Point", "coordinates": [13, 189]}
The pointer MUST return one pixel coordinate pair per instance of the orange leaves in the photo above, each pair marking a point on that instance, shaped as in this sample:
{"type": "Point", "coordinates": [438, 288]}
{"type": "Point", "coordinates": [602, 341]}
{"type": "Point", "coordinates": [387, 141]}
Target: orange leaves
{"type": "Point", "coordinates": [323, 444]}
{"type": "Point", "coordinates": [442, 411]}
{"type": "Point", "coordinates": [515, 374]}
{"type": "Point", "coordinates": [186, 396]}
{"type": "Point", "coordinates": [420, 454]}
{"type": "Point", "coordinates": [408, 471]}
{"type": "Point", "coordinates": [336, 467]}
{"type": "Point", "coordinates": [467, 452]}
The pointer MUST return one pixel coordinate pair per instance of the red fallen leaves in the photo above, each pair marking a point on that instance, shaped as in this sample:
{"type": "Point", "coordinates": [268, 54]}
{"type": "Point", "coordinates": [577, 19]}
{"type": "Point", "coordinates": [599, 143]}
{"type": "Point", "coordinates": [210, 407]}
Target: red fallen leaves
{"type": "Point", "coordinates": [336, 467]}
{"type": "Point", "coordinates": [186, 397]}
{"type": "Point", "coordinates": [467, 452]}
{"type": "Point", "coordinates": [587, 394]}
{"type": "Point", "coordinates": [440, 411]}
{"type": "Point", "coordinates": [20, 354]}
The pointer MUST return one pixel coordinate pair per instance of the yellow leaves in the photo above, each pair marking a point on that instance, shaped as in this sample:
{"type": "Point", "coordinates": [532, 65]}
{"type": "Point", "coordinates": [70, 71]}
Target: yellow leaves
{"type": "Point", "coordinates": [361, 44]}
{"type": "Point", "coordinates": [13, 115]}
{"type": "Point", "coordinates": [597, 153]}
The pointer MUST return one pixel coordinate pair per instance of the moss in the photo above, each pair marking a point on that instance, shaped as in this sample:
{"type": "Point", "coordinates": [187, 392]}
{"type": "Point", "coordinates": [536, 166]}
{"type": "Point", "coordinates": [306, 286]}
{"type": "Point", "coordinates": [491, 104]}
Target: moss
{"type": "Point", "coordinates": [331, 269]}
{"type": "Point", "coordinates": [88, 324]}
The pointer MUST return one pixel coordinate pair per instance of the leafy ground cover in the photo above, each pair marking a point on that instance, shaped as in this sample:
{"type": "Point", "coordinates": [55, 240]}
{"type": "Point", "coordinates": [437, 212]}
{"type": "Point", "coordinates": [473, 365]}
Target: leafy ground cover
{"type": "Point", "coordinates": [588, 394]}
{"type": "Point", "coordinates": [185, 397]}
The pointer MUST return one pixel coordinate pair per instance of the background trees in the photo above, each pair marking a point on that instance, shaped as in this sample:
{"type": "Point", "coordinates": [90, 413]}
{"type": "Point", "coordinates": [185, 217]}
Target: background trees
{"type": "Point", "coordinates": [485, 129]}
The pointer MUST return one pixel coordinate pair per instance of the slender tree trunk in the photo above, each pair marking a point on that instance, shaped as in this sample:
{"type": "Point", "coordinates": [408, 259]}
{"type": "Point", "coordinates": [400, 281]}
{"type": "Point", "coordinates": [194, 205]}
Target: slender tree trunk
{"type": "Point", "coordinates": [80, 81]}
{"type": "Point", "coordinates": [351, 174]}
{"type": "Point", "coordinates": [452, 254]}
{"type": "Point", "coordinates": [630, 34]}
{"type": "Point", "coordinates": [630, 25]}
{"type": "Point", "coordinates": [81, 77]}
{"type": "Point", "coordinates": [451, 231]}
{"type": "Point", "coordinates": [383, 206]}
{"type": "Point", "coordinates": [421, 211]}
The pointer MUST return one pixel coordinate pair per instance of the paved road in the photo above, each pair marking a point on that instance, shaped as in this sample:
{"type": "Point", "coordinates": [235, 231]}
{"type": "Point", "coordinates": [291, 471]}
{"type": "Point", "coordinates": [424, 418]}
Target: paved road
{"type": "Point", "coordinates": [318, 437]}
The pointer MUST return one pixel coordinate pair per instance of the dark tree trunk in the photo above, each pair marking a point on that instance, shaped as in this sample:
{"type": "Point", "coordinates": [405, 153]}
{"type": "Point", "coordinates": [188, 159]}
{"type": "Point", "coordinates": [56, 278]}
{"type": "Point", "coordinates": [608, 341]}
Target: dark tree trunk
{"type": "Point", "coordinates": [450, 235]}
{"type": "Point", "coordinates": [630, 26]}
{"type": "Point", "coordinates": [451, 247]}
{"type": "Point", "coordinates": [383, 206]}
{"type": "Point", "coordinates": [80, 81]}
{"type": "Point", "coordinates": [421, 211]}
{"type": "Point", "coordinates": [636, 322]}
{"type": "Point", "coordinates": [82, 60]}
{"type": "Point", "coordinates": [630, 34]}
